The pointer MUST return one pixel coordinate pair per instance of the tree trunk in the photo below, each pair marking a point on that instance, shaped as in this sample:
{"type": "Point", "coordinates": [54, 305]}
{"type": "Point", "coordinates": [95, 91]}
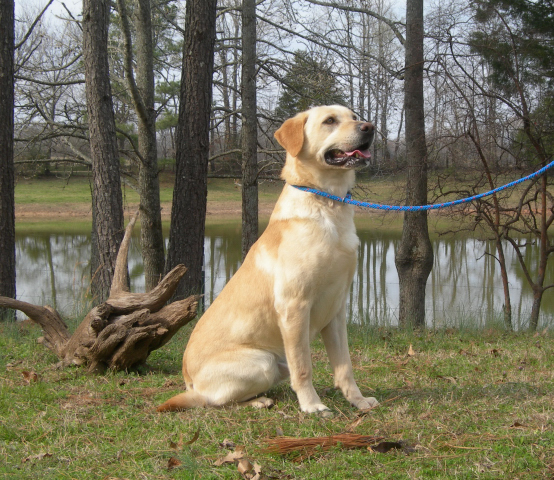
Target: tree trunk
{"type": "Point", "coordinates": [188, 214]}
{"type": "Point", "coordinates": [507, 307]}
{"type": "Point", "coordinates": [535, 309]}
{"type": "Point", "coordinates": [142, 94]}
{"type": "Point", "coordinates": [544, 252]}
{"type": "Point", "coordinates": [107, 202]}
{"type": "Point", "coordinates": [120, 333]}
{"type": "Point", "coordinates": [249, 128]}
{"type": "Point", "coordinates": [7, 181]}
{"type": "Point", "coordinates": [414, 257]}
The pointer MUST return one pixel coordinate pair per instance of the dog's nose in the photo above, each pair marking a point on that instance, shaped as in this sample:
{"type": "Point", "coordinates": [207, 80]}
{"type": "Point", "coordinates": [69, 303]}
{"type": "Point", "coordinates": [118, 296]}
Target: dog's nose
{"type": "Point", "coordinates": [367, 127]}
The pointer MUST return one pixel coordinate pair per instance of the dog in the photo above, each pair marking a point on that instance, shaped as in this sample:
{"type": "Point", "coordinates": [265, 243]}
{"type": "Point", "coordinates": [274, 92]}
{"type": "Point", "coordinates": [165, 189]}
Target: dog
{"type": "Point", "coordinates": [293, 283]}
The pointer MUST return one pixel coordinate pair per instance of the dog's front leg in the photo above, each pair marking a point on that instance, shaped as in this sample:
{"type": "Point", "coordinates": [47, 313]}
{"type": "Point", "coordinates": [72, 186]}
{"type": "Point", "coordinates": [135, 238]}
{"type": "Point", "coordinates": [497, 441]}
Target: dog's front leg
{"type": "Point", "coordinates": [294, 324]}
{"type": "Point", "coordinates": [336, 343]}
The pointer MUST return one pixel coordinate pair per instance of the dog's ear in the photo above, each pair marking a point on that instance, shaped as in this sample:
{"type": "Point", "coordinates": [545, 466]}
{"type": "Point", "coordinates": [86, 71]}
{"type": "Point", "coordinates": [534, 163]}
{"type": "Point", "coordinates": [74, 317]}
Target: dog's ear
{"type": "Point", "coordinates": [291, 134]}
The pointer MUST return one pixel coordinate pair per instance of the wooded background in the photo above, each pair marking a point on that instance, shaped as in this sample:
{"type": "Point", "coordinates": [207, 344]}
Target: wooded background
{"type": "Point", "coordinates": [461, 95]}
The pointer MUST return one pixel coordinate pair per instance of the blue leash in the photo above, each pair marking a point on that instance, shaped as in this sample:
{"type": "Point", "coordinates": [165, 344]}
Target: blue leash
{"type": "Point", "coordinates": [415, 208]}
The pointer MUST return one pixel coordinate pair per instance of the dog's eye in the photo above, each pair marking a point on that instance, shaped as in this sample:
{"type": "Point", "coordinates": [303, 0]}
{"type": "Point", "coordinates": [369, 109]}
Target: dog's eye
{"type": "Point", "coordinates": [330, 121]}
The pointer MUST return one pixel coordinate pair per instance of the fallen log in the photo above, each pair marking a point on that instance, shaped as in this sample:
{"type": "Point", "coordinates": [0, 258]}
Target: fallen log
{"type": "Point", "coordinates": [120, 333]}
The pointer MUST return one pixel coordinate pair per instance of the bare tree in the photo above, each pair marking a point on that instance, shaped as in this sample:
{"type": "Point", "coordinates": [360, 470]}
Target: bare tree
{"type": "Point", "coordinates": [107, 202]}
{"type": "Point", "coordinates": [249, 128]}
{"type": "Point", "coordinates": [414, 256]}
{"type": "Point", "coordinates": [50, 103]}
{"type": "Point", "coordinates": [140, 81]}
{"type": "Point", "coordinates": [7, 201]}
{"type": "Point", "coordinates": [188, 214]}
{"type": "Point", "coordinates": [508, 122]}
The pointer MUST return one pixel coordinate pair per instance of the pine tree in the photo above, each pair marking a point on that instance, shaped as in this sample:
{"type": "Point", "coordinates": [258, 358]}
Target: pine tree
{"type": "Point", "coordinates": [308, 83]}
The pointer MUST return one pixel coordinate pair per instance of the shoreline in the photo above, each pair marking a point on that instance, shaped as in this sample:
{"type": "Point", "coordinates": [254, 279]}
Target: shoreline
{"type": "Point", "coordinates": [32, 212]}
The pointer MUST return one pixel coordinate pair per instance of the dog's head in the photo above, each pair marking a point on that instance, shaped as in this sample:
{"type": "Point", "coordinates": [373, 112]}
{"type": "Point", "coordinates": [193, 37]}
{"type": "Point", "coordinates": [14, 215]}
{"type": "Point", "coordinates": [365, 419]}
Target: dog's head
{"type": "Point", "coordinates": [331, 136]}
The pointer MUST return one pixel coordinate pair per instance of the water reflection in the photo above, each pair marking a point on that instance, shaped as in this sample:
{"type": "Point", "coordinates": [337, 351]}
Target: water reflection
{"type": "Point", "coordinates": [464, 286]}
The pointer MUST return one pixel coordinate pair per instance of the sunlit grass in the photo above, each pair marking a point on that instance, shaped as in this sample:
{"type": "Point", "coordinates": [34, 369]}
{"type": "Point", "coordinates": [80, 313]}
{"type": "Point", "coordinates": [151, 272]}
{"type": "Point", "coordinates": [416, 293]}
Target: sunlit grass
{"type": "Point", "coordinates": [471, 403]}
{"type": "Point", "coordinates": [55, 191]}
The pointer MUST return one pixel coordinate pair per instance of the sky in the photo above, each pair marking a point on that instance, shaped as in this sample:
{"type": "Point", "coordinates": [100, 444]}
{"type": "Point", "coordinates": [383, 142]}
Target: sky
{"type": "Point", "coordinates": [56, 9]}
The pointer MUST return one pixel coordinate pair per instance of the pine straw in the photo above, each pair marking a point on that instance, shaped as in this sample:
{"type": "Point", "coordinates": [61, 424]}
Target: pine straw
{"type": "Point", "coordinates": [310, 445]}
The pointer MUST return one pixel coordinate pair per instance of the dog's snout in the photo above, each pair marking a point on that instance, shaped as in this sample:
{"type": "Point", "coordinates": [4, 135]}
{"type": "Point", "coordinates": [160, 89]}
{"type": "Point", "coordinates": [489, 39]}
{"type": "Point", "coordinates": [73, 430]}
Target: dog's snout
{"type": "Point", "coordinates": [367, 127]}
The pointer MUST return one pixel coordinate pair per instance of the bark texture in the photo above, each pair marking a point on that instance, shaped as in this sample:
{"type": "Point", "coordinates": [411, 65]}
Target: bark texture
{"type": "Point", "coordinates": [140, 81]}
{"type": "Point", "coordinates": [7, 202]}
{"type": "Point", "coordinates": [188, 213]}
{"type": "Point", "coordinates": [414, 257]}
{"type": "Point", "coordinates": [120, 333]}
{"type": "Point", "coordinates": [107, 202]}
{"type": "Point", "coordinates": [249, 128]}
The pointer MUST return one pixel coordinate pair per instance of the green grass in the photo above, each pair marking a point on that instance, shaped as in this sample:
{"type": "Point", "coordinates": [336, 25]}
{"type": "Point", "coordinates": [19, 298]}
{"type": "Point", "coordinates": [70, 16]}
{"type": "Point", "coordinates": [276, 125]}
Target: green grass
{"type": "Point", "coordinates": [52, 190]}
{"type": "Point", "coordinates": [76, 190]}
{"type": "Point", "coordinates": [472, 404]}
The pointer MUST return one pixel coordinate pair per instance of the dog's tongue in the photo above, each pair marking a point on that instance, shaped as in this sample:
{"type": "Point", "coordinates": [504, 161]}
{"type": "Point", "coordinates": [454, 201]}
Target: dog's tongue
{"type": "Point", "coordinates": [359, 153]}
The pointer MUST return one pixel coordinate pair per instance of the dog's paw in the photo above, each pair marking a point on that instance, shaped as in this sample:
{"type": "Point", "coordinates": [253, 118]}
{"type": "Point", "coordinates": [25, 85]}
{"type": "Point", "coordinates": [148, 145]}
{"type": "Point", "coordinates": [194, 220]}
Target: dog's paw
{"type": "Point", "coordinates": [260, 402]}
{"type": "Point", "coordinates": [365, 403]}
{"type": "Point", "coordinates": [315, 408]}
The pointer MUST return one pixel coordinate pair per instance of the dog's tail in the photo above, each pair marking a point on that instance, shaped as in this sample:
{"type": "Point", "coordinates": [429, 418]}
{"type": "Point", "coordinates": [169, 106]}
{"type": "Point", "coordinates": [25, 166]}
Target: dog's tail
{"type": "Point", "coordinates": [188, 399]}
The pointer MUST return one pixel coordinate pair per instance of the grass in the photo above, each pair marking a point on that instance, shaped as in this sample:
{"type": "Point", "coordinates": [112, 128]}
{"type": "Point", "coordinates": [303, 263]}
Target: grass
{"type": "Point", "coordinates": [471, 404]}
{"type": "Point", "coordinates": [63, 194]}
{"type": "Point", "coordinates": [53, 190]}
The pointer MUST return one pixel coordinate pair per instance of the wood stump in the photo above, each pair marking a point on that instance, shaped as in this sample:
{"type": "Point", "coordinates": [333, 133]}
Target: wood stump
{"type": "Point", "coordinates": [120, 333]}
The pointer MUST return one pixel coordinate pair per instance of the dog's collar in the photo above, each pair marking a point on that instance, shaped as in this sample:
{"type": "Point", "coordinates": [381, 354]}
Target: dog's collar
{"type": "Point", "coordinates": [324, 194]}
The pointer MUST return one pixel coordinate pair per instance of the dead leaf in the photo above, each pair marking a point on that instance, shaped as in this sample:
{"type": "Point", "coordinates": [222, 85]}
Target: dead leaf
{"type": "Point", "coordinates": [11, 365]}
{"type": "Point", "coordinates": [257, 468]}
{"type": "Point", "coordinates": [517, 425]}
{"type": "Point", "coordinates": [227, 443]}
{"type": "Point", "coordinates": [176, 445]}
{"type": "Point", "coordinates": [179, 445]}
{"type": "Point", "coordinates": [384, 447]}
{"type": "Point", "coordinates": [194, 437]}
{"type": "Point", "coordinates": [37, 457]}
{"type": "Point", "coordinates": [411, 352]}
{"type": "Point", "coordinates": [244, 466]}
{"type": "Point", "coordinates": [231, 457]}
{"type": "Point", "coordinates": [449, 379]}
{"type": "Point", "coordinates": [29, 377]}
{"type": "Point", "coordinates": [173, 462]}
{"type": "Point", "coordinates": [495, 352]}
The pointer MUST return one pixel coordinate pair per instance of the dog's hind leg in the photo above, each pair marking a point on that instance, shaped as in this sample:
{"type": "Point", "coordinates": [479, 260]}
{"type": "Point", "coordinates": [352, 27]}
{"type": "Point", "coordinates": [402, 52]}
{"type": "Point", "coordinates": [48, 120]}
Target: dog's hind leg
{"type": "Point", "coordinates": [231, 379]}
{"type": "Point", "coordinates": [258, 402]}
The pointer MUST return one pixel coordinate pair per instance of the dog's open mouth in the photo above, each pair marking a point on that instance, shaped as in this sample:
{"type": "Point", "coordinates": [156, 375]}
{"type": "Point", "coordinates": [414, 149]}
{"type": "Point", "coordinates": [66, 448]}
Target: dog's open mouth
{"type": "Point", "coordinates": [355, 157]}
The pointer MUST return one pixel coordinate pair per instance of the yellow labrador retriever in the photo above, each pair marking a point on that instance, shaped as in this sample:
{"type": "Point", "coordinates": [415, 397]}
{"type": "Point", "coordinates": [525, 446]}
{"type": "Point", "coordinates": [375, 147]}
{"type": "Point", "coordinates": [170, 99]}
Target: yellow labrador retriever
{"type": "Point", "coordinates": [293, 283]}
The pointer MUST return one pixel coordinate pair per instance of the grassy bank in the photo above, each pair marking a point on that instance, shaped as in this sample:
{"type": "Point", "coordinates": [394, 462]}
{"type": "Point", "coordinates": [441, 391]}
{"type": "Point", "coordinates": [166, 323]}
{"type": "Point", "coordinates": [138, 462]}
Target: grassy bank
{"type": "Point", "coordinates": [52, 190]}
{"type": "Point", "coordinates": [46, 204]}
{"type": "Point", "coordinates": [465, 404]}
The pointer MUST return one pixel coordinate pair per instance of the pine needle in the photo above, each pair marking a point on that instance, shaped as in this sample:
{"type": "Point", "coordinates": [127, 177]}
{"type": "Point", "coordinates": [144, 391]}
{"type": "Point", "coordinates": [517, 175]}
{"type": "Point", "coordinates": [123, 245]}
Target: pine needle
{"type": "Point", "coordinates": [309, 445]}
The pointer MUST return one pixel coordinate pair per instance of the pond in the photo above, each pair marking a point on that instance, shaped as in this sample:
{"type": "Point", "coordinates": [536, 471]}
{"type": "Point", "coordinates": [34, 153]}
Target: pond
{"type": "Point", "coordinates": [464, 287]}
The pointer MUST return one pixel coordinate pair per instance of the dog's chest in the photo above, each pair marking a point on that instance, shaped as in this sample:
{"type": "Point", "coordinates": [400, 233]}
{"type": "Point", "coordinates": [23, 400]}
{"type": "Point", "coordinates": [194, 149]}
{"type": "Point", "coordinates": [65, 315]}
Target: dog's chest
{"type": "Point", "coordinates": [333, 275]}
